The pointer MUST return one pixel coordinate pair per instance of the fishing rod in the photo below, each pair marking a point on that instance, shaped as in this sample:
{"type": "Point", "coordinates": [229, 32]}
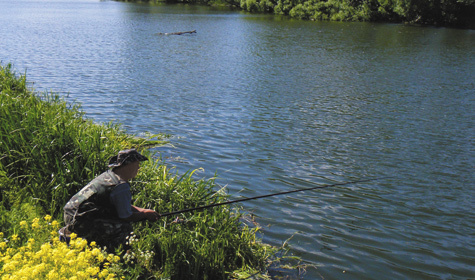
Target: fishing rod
{"type": "Point", "coordinates": [267, 195]}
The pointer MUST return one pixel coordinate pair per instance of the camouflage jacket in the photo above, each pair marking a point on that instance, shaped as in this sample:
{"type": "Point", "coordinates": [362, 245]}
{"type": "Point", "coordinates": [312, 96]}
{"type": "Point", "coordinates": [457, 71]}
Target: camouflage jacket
{"type": "Point", "coordinates": [93, 201]}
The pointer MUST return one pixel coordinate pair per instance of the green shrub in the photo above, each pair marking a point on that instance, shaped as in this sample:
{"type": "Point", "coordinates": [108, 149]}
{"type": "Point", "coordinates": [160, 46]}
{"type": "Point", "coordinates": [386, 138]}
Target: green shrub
{"type": "Point", "coordinates": [208, 244]}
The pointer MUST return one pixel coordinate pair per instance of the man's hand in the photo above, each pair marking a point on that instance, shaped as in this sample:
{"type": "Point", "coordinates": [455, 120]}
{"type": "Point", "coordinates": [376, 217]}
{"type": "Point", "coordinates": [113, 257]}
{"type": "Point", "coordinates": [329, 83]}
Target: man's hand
{"type": "Point", "coordinates": [151, 215]}
{"type": "Point", "coordinates": [139, 214]}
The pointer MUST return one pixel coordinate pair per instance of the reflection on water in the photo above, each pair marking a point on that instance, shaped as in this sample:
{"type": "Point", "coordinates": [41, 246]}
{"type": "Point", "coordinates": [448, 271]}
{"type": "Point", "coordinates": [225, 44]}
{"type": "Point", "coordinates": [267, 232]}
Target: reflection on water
{"type": "Point", "coordinates": [273, 104]}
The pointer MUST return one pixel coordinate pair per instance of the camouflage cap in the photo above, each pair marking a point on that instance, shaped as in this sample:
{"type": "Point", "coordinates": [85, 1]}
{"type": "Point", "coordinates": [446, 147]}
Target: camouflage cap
{"type": "Point", "coordinates": [125, 157]}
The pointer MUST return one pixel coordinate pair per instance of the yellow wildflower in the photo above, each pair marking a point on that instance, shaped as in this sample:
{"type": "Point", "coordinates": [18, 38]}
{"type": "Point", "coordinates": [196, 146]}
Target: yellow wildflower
{"type": "Point", "coordinates": [104, 273]}
{"type": "Point", "coordinates": [15, 237]}
{"type": "Point", "coordinates": [110, 257]}
{"type": "Point", "coordinates": [81, 275]}
{"type": "Point", "coordinates": [92, 271]}
{"type": "Point", "coordinates": [35, 224]}
{"type": "Point", "coordinates": [73, 236]}
{"type": "Point", "coordinates": [53, 275]}
{"type": "Point", "coordinates": [53, 259]}
{"type": "Point", "coordinates": [47, 218]}
{"type": "Point", "coordinates": [100, 258]}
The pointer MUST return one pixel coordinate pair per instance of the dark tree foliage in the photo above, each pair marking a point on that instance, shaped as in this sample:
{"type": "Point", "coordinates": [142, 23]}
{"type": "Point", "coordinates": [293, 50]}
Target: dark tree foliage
{"type": "Point", "coordinates": [456, 13]}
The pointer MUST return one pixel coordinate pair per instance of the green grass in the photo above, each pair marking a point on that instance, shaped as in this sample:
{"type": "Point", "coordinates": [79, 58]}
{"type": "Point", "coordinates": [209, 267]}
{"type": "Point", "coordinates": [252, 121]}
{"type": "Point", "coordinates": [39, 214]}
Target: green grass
{"type": "Point", "coordinates": [209, 244]}
{"type": "Point", "coordinates": [49, 150]}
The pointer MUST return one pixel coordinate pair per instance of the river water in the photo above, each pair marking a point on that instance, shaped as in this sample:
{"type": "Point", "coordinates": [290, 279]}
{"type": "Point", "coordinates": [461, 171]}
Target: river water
{"type": "Point", "coordinates": [272, 104]}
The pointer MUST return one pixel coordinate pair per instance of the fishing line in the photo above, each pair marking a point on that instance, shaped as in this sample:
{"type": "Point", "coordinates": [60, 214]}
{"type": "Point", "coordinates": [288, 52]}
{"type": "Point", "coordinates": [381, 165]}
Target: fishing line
{"type": "Point", "coordinates": [267, 195]}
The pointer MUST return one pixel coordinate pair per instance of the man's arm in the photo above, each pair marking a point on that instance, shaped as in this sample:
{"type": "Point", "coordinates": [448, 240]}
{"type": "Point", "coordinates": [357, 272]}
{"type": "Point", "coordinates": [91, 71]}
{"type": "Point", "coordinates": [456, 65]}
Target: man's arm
{"type": "Point", "coordinates": [121, 198]}
{"type": "Point", "coordinates": [139, 214]}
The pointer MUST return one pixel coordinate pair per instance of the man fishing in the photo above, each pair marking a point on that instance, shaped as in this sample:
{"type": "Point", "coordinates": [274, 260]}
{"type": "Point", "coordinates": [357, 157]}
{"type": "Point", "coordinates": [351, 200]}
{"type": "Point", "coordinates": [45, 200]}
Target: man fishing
{"type": "Point", "coordinates": [102, 210]}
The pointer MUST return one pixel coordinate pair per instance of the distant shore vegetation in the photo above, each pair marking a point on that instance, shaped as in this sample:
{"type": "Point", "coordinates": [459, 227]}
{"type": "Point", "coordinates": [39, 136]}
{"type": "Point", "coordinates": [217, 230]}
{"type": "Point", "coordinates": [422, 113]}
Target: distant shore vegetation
{"type": "Point", "coordinates": [450, 13]}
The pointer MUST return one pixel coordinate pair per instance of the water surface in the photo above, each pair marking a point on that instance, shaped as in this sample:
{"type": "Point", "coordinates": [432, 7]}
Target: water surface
{"type": "Point", "coordinates": [272, 104]}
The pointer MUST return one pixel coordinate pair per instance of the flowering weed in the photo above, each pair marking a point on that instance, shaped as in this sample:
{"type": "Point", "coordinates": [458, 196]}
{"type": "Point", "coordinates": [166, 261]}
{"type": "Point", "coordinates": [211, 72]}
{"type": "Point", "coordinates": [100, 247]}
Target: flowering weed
{"type": "Point", "coordinates": [27, 255]}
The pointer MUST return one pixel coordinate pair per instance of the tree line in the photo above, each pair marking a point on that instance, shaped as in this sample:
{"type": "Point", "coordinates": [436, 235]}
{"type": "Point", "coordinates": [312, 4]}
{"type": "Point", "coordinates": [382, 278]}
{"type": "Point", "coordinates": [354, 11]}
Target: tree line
{"type": "Point", "coordinates": [455, 13]}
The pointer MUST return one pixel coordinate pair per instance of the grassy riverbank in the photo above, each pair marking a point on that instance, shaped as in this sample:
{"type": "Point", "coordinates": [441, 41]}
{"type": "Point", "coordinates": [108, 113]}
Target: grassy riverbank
{"type": "Point", "coordinates": [49, 150]}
